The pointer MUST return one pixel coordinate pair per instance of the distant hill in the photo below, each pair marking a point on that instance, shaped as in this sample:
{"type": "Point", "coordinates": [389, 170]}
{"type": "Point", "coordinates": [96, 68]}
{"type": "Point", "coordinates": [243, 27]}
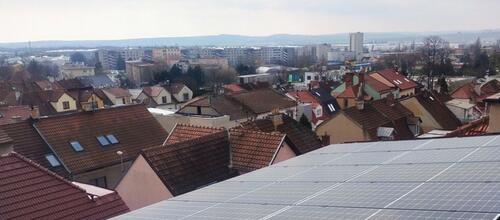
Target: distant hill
{"type": "Point", "coordinates": [278, 39]}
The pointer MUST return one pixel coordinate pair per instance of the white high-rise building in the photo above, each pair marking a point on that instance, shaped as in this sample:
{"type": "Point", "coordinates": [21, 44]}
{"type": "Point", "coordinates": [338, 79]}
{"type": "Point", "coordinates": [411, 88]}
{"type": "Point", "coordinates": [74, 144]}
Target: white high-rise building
{"type": "Point", "coordinates": [356, 44]}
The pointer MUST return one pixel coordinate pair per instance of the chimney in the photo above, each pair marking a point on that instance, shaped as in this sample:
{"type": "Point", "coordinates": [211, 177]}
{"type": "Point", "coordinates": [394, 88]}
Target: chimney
{"type": "Point", "coordinates": [16, 118]}
{"type": "Point", "coordinates": [276, 119]}
{"type": "Point", "coordinates": [6, 146]}
{"type": "Point", "coordinates": [348, 79]}
{"type": "Point", "coordinates": [87, 106]}
{"type": "Point", "coordinates": [325, 139]}
{"type": "Point", "coordinates": [390, 100]}
{"type": "Point", "coordinates": [35, 112]}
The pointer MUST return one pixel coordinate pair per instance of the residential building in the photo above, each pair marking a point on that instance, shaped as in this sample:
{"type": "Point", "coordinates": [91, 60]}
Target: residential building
{"type": "Point", "coordinates": [391, 78]}
{"type": "Point", "coordinates": [180, 92]}
{"type": "Point", "coordinates": [167, 55]}
{"type": "Point", "coordinates": [215, 154]}
{"type": "Point", "coordinates": [322, 52]}
{"type": "Point", "coordinates": [30, 191]}
{"type": "Point", "coordinates": [154, 96]}
{"type": "Point", "coordinates": [210, 63]}
{"type": "Point", "coordinates": [139, 72]}
{"type": "Point", "coordinates": [464, 111]}
{"type": "Point", "coordinates": [71, 71]}
{"type": "Point", "coordinates": [109, 57]}
{"type": "Point", "coordinates": [493, 109]}
{"type": "Point", "coordinates": [98, 147]}
{"type": "Point", "coordinates": [321, 108]}
{"type": "Point", "coordinates": [241, 55]}
{"type": "Point", "coordinates": [384, 119]}
{"type": "Point", "coordinates": [432, 112]}
{"type": "Point", "coordinates": [240, 106]}
{"type": "Point", "coordinates": [299, 137]}
{"type": "Point", "coordinates": [474, 92]}
{"type": "Point", "coordinates": [356, 44]}
{"type": "Point", "coordinates": [414, 179]}
{"type": "Point", "coordinates": [118, 96]}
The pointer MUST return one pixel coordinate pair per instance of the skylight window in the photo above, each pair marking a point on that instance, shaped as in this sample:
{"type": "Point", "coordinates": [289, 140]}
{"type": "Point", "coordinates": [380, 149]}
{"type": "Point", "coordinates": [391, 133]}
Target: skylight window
{"type": "Point", "coordinates": [52, 160]}
{"type": "Point", "coordinates": [103, 140]}
{"type": "Point", "coordinates": [112, 139]}
{"type": "Point", "coordinates": [330, 106]}
{"type": "Point", "coordinates": [76, 146]}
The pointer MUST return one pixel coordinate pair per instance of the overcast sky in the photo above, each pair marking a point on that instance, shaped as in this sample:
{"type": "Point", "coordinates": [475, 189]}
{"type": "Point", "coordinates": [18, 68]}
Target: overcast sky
{"type": "Point", "coordinates": [25, 20]}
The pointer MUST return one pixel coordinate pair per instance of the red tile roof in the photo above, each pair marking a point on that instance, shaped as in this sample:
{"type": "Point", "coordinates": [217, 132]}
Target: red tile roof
{"type": "Point", "coordinates": [377, 85]}
{"type": "Point", "coordinates": [301, 138]}
{"type": "Point", "coordinates": [12, 114]}
{"type": "Point", "coordinates": [465, 92]}
{"type": "Point", "coordinates": [189, 165]}
{"type": "Point", "coordinates": [349, 92]}
{"type": "Point", "coordinates": [397, 79]}
{"type": "Point", "coordinates": [473, 128]}
{"type": "Point", "coordinates": [251, 150]}
{"type": "Point", "coordinates": [28, 191]}
{"type": "Point", "coordinates": [184, 132]}
{"type": "Point", "coordinates": [28, 143]}
{"type": "Point", "coordinates": [133, 126]}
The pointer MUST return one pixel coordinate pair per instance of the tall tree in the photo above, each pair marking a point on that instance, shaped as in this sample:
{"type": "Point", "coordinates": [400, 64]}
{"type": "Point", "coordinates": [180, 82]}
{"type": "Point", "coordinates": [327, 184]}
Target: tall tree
{"type": "Point", "coordinates": [434, 53]}
{"type": "Point", "coordinates": [175, 71]}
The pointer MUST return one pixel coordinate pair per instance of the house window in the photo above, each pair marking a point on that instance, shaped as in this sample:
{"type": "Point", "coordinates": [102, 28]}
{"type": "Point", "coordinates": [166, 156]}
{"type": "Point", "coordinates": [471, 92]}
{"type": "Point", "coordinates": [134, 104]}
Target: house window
{"type": "Point", "coordinates": [52, 160]}
{"type": "Point", "coordinates": [100, 182]}
{"type": "Point", "coordinates": [308, 77]}
{"type": "Point", "coordinates": [163, 99]}
{"type": "Point", "coordinates": [76, 146]}
{"type": "Point", "coordinates": [123, 101]}
{"type": "Point", "coordinates": [186, 96]}
{"type": "Point", "coordinates": [65, 105]}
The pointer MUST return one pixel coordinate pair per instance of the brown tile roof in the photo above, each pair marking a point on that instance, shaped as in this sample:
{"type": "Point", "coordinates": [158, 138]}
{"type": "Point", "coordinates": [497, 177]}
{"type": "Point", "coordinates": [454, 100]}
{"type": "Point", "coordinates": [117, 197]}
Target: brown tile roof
{"type": "Point", "coordinates": [12, 114]}
{"type": "Point", "coordinates": [251, 150]}
{"type": "Point", "coordinates": [263, 100]}
{"type": "Point", "coordinates": [28, 143]}
{"type": "Point", "coordinates": [184, 132]}
{"type": "Point", "coordinates": [118, 92]}
{"type": "Point", "coordinates": [152, 91]}
{"type": "Point", "coordinates": [465, 92]}
{"type": "Point", "coordinates": [397, 79]}
{"type": "Point", "coordinates": [377, 85]}
{"type": "Point", "coordinates": [222, 105]}
{"type": "Point", "coordinates": [133, 126]}
{"type": "Point", "coordinates": [29, 191]}
{"type": "Point", "coordinates": [368, 118]}
{"type": "Point", "coordinates": [175, 87]}
{"type": "Point", "coordinates": [234, 88]}
{"type": "Point", "coordinates": [4, 137]}
{"type": "Point", "coordinates": [191, 164]}
{"type": "Point", "coordinates": [47, 85]}
{"type": "Point", "coordinates": [439, 111]}
{"type": "Point", "coordinates": [391, 110]}
{"type": "Point", "coordinates": [301, 138]}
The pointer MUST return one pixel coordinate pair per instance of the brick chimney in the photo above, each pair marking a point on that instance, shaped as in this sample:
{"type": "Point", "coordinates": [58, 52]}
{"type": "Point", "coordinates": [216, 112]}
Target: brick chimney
{"type": "Point", "coordinates": [348, 79]}
{"type": "Point", "coordinates": [276, 119]}
{"type": "Point", "coordinates": [35, 112]}
{"type": "Point", "coordinates": [325, 139]}
{"type": "Point", "coordinates": [390, 100]}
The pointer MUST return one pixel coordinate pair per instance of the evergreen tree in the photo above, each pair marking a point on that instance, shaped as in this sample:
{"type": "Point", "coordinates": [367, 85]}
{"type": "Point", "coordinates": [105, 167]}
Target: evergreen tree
{"type": "Point", "coordinates": [175, 72]}
{"type": "Point", "coordinates": [120, 63]}
{"type": "Point", "coordinates": [304, 121]}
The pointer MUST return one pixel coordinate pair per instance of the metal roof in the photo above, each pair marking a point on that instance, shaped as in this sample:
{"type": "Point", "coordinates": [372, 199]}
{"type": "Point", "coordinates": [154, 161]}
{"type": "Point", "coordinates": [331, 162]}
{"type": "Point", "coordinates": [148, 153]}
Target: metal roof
{"type": "Point", "coordinates": [443, 178]}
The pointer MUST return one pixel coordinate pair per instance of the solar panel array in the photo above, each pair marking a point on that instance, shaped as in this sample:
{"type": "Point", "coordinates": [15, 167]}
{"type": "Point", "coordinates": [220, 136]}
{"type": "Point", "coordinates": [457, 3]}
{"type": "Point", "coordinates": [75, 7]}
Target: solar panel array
{"type": "Point", "coordinates": [453, 178]}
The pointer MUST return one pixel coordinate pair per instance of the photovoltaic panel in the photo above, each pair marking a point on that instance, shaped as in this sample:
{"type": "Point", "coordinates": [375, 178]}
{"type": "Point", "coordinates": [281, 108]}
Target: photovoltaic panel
{"type": "Point", "coordinates": [453, 196]}
{"type": "Point", "coordinates": [445, 178]}
{"type": "Point", "coordinates": [468, 172]}
{"type": "Point", "coordinates": [420, 214]}
{"type": "Point", "coordinates": [375, 195]}
{"type": "Point", "coordinates": [485, 154]}
{"type": "Point", "coordinates": [434, 156]}
{"type": "Point", "coordinates": [403, 172]}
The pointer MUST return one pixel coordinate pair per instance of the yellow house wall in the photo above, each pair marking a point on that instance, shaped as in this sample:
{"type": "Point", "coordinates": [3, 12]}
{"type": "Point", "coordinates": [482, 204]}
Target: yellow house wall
{"type": "Point", "coordinates": [341, 129]}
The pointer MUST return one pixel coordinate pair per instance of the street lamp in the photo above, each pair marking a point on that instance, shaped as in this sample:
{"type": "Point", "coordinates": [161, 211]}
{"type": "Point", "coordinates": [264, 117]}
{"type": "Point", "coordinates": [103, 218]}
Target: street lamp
{"type": "Point", "coordinates": [120, 153]}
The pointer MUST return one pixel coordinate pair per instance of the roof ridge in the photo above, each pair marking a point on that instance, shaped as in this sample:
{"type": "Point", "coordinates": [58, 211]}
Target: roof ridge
{"type": "Point", "coordinates": [197, 139]}
{"type": "Point", "coordinates": [199, 126]}
{"type": "Point", "coordinates": [274, 133]}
